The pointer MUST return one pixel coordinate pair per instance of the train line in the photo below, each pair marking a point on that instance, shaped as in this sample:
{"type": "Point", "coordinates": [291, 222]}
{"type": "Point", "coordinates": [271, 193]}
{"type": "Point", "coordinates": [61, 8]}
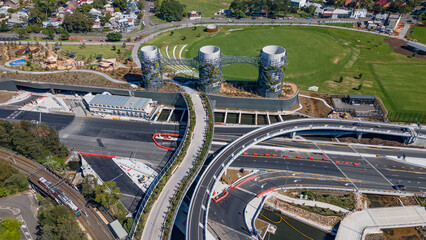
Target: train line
{"type": "Point", "coordinates": [90, 220]}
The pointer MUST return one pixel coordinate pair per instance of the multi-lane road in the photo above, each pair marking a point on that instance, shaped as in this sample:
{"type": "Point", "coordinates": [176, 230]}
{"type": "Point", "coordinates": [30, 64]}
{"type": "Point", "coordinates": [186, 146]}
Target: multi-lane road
{"type": "Point", "coordinates": [103, 136]}
{"type": "Point", "coordinates": [200, 202]}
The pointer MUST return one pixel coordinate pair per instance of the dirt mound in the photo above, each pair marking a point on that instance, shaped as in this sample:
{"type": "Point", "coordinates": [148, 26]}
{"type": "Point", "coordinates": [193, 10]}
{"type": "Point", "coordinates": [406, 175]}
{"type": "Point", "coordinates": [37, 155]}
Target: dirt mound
{"type": "Point", "coordinates": [401, 47]}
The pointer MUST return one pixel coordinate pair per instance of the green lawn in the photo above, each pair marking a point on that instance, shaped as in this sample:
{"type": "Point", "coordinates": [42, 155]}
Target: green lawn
{"type": "Point", "coordinates": [206, 7]}
{"type": "Point", "coordinates": [317, 57]}
{"type": "Point", "coordinates": [416, 32]}
{"type": "Point", "coordinates": [91, 51]}
{"type": "Point", "coordinates": [403, 85]}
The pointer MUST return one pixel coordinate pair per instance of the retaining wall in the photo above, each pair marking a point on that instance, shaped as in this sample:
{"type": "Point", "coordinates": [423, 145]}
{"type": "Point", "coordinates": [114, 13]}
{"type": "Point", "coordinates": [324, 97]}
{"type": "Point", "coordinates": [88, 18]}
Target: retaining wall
{"type": "Point", "coordinates": [173, 99]}
{"type": "Point", "coordinates": [254, 103]}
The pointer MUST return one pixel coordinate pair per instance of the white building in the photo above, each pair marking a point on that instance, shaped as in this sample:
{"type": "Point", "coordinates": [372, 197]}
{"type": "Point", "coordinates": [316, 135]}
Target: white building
{"type": "Point", "coordinates": [359, 13]}
{"type": "Point", "coordinates": [119, 105]}
{"type": "Point", "coordinates": [194, 15]}
{"type": "Point", "coordinates": [298, 3]}
{"type": "Point", "coordinates": [20, 18]}
{"type": "Point", "coordinates": [341, 13]}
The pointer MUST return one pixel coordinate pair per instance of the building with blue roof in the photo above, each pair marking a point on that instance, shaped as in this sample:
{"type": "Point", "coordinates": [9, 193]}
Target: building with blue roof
{"type": "Point", "coordinates": [119, 105]}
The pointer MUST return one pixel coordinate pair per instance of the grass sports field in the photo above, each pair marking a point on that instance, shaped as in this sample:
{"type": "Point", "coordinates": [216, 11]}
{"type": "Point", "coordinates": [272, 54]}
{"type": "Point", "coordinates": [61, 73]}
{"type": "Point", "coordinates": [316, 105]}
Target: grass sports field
{"type": "Point", "coordinates": [207, 7]}
{"type": "Point", "coordinates": [317, 57]}
{"type": "Point", "coordinates": [418, 33]}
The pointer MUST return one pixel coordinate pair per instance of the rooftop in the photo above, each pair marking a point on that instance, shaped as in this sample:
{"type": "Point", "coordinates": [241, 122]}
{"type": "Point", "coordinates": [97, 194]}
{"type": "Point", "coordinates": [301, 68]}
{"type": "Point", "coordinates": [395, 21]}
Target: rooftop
{"type": "Point", "coordinates": [353, 96]}
{"type": "Point", "coordinates": [122, 101]}
{"type": "Point", "coordinates": [419, 46]}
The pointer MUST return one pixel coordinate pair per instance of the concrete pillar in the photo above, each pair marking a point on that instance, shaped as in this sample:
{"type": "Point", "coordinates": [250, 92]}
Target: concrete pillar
{"type": "Point", "coordinates": [225, 117]}
{"type": "Point", "coordinates": [293, 135]}
{"type": "Point", "coordinates": [239, 118]}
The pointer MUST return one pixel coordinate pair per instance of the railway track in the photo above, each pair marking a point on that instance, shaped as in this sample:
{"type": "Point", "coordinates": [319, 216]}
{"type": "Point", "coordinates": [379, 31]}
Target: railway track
{"type": "Point", "coordinates": [90, 220]}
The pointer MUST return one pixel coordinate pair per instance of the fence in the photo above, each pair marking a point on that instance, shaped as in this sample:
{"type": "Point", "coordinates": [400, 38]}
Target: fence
{"type": "Point", "coordinates": [157, 179]}
{"type": "Point", "coordinates": [412, 117]}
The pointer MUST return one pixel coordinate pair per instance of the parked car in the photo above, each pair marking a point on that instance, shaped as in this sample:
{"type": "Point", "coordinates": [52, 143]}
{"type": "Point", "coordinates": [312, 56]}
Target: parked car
{"type": "Point", "coordinates": [404, 129]}
{"type": "Point", "coordinates": [399, 187]}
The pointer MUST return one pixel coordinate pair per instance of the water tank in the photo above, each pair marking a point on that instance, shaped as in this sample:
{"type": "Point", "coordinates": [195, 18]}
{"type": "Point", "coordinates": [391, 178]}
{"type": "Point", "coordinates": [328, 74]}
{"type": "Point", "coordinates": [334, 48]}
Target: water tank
{"type": "Point", "coordinates": [273, 63]}
{"type": "Point", "coordinates": [151, 67]}
{"type": "Point", "coordinates": [210, 69]}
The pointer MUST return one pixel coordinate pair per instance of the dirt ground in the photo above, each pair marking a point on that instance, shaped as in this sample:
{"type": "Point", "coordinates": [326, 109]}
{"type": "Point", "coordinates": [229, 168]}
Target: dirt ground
{"type": "Point", "coordinates": [6, 96]}
{"type": "Point", "coordinates": [373, 141]}
{"type": "Point", "coordinates": [329, 221]}
{"type": "Point", "coordinates": [313, 107]}
{"type": "Point", "coordinates": [411, 233]}
{"type": "Point", "coordinates": [382, 201]}
{"type": "Point", "coordinates": [261, 226]}
{"type": "Point", "coordinates": [400, 46]}
{"type": "Point", "coordinates": [230, 90]}
{"type": "Point", "coordinates": [402, 234]}
{"type": "Point", "coordinates": [233, 175]}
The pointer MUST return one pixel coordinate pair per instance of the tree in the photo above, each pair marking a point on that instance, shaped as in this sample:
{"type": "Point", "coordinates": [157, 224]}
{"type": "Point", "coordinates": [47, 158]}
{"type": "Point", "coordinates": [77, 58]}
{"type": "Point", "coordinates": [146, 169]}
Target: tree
{"type": "Point", "coordinates": [50, 34]}
{"type": "Point", "coordinates": [65, 35]}
{"type": "Point", "coordinates": [359, 87]}
{"type": "Point", "coordinates": [85, 8]}
{"type": "Point", "coordinates": [121, 4]}
{"type": "Point", "coordinates": [99, 3]}
{"type": "Point", "coordinates": [140, 4]}
{"type": "Point", "coordinates": [107, 194]}
{"type": "Point", "coordinates": [105, 19]}
{"type": "Point", "coordinates": [10, 229]}
{"type": "Point", "coordinates": [87, 186]}
{"type": "Point", "coordinates": [42, 10]}
{"type": "Point", "coordinates": [172, 10]}
{"type": "Point", "coordinates": [114, 36]}
{"type": "Point", "coordinates": [341, 79]}
{"type": "Point", "coordinates": [360, 76]}
{"type": "Point", "coordinates": [4, 27]}
{"type": "Point", "coordinates": [58, 222]}
{"type": "Point", "coordinates": [78, 22]}
{"type": "Point", "coordinates": [21, 32]}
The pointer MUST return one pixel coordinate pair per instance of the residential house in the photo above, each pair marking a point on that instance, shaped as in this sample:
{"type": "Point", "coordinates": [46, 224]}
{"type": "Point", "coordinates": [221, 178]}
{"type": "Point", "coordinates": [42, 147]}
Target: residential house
{"type": "Point", "coordinates": [341, 13]}
{"type": "Point", "coordinates": [53, 22]}
{"type": "Point", "coordinates": [12, 3]}
{"type": "Point", "coordinates": [95, 12]}
{"type": "Point", "coordinates": [97, 24]}
{"type": "Point", "coordinates": [393, 21]}
{"type": "Point", "coordinates": [359, 13]}
{"type": "Point", "coordinates": [194, 15]}
{"type": "Point", "coordinates": [20, 18]}
{"type": "Point", "coordinates": [3, 10]}
{"type": "Point", "coordinates": [298, 3]}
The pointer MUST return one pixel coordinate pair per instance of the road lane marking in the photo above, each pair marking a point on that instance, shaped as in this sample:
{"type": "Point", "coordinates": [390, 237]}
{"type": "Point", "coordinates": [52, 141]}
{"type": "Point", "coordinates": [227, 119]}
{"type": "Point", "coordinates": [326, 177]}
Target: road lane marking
{"type": "Point", "coordinates": [400, 170]}
{"type": "Point", "coordinates": [315, 178]}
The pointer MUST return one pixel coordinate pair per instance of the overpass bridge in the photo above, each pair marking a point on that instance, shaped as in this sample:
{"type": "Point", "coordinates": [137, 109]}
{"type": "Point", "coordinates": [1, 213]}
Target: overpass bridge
{"type": "Point", "coordinates": [198, 210]}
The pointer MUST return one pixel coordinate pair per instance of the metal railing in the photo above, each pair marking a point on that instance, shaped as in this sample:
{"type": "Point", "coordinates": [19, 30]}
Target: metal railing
{"type": "Point", "coordinates": [157, 179]}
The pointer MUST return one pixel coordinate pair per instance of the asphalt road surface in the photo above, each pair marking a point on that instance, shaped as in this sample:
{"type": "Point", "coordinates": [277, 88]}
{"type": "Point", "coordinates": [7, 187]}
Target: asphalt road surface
{"type": "Point", "coordinates": [24, 208]}
{"type": "Point", "coordinates": [102, 136]}
{"type": "Point", "coordinates": [201, 197]}
{"type": "Point", "coordinates": [107, 170]}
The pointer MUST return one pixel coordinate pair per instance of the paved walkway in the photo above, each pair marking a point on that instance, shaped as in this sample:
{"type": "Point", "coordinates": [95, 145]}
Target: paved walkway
{"type": "Point", "coordinates": [156, 219]}
{"type": "Point", "coordinates": [358, 224]}
{"type": "Point", "coordinates": [404, 31]}
{"type": "Point", "coordinates": [309, 203]}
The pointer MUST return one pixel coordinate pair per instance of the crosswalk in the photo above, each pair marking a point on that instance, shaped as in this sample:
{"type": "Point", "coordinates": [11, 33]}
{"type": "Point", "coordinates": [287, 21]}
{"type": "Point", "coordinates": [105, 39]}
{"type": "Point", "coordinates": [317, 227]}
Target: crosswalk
{"type": "Point", "coordinates": [15, 114]}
